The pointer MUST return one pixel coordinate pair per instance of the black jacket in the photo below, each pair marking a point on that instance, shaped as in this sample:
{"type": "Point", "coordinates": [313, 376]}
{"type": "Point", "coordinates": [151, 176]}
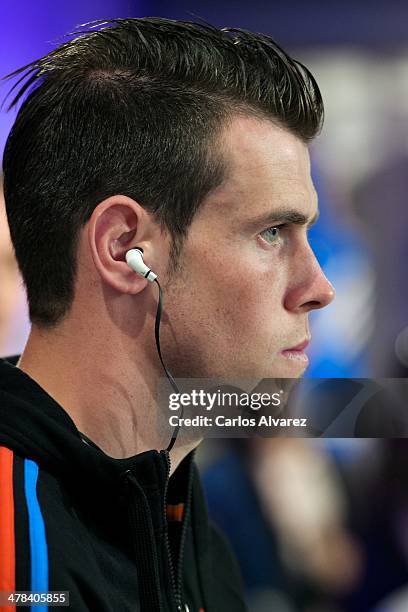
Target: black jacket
{"type": "Point", "coordinates": [118, 534]}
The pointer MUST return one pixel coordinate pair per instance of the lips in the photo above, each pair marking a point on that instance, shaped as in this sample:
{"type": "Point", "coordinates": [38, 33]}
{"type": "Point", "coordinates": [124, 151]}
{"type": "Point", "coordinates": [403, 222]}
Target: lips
{"type": "Point", "coordinates": [298, 347]}
{"type": "Point", "coordinates": [296, 353]}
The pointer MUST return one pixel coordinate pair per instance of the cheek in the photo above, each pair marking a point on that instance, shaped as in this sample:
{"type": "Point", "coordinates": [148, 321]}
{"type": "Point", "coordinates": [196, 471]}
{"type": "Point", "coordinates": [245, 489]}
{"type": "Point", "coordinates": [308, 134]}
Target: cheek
{"type": "Point", "coordinates": [227, 321]}
{"type": "Point", "coordinates": [234, 293]}
{"type": "Point", "coordinates": [258, 310]}
{"type": "Point", "coordinates": [235, 298]}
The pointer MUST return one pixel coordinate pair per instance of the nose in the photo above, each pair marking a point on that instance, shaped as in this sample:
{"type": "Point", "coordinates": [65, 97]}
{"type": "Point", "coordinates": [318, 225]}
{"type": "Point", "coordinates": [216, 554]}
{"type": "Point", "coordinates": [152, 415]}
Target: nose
{"type": "Point", "coordinates": [311, 289]}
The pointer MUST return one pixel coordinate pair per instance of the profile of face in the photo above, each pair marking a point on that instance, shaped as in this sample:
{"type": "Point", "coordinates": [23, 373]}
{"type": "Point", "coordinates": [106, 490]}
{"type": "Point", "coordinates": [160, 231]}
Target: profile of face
{"type": "Point", "coordinates": [248, 277]}
{"type": "Point", "coordinates": [9, 283]}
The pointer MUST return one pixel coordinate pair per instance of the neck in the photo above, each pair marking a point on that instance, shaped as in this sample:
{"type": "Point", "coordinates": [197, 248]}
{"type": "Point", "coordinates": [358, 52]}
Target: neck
{"type": "Point", "coordinates": [111, 399]}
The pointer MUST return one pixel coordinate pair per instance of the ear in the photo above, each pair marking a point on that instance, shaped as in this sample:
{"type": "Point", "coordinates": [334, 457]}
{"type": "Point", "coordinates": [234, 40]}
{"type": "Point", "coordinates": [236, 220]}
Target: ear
{"type": "Point", "coordinates": [117, 224]}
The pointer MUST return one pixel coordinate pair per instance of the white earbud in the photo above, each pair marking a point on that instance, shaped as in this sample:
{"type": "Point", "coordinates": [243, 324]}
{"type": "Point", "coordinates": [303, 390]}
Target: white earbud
{"type": "Point", "coordinates": [134, 259]}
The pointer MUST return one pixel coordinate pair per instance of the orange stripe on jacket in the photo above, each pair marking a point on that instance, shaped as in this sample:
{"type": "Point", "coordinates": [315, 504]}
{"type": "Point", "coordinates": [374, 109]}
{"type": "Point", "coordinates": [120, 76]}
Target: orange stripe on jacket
{"type": "Point", "coordinates": [7, 550]}
{"type": "Point", "coordinates": [175, 512]}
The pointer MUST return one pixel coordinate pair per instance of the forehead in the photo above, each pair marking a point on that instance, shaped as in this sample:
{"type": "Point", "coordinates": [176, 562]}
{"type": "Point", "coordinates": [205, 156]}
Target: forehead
{"type": "Point", "coordinates": [267, 168]}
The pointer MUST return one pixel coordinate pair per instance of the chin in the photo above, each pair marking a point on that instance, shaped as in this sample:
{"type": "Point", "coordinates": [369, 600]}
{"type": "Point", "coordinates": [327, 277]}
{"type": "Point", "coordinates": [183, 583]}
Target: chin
{"type": "Point", "coordinates": [284, 370]}
{"type": "Point", "coordinates": [293, 372]}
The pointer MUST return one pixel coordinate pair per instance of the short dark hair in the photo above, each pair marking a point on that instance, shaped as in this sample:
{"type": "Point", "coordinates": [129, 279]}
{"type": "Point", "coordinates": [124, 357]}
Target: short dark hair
{"type": "Point", "coordinates": [133, 107]}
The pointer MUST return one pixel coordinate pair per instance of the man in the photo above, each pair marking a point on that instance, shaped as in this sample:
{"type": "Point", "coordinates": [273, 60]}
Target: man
{"type": "Point", "coordinates": [190, 143]}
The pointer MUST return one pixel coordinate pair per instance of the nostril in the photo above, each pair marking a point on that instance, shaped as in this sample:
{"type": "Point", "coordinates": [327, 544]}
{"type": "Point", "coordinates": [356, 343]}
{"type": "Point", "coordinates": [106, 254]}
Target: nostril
{"type": "Point", "coordinates": [313, 304]}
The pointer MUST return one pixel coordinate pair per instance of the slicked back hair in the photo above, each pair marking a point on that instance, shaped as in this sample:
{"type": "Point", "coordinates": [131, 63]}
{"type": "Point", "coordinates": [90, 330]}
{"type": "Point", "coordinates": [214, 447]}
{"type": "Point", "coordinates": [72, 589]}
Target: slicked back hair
{"type": "Point", "coordinates": [133, 107]}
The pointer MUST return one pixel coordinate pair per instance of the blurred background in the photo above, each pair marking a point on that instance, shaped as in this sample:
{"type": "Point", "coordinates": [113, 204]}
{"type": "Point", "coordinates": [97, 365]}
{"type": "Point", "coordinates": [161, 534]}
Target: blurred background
{"type": "Point", "coordinates": [318, 525]}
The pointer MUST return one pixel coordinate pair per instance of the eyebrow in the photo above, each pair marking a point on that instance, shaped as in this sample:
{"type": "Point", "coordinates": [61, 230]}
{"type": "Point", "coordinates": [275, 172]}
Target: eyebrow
{"type": "Point", "coordinates": [285, 216]}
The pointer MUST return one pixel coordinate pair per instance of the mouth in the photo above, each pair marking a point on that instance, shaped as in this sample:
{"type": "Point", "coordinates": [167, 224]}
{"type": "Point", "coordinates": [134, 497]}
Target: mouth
{"type": "Point", "coordinates": [297, 353]}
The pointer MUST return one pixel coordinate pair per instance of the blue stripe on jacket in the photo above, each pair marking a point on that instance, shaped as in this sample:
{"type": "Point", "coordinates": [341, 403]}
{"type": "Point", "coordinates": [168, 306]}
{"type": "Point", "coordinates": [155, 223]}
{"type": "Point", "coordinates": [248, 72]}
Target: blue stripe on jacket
{"type": "Point", "coordinates": [38, 542]}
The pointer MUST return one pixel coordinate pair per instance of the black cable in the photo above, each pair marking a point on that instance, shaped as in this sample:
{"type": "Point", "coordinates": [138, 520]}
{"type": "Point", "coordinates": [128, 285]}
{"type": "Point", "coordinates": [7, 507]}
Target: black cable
{"type": "Point", "coordinates": [168, 374]}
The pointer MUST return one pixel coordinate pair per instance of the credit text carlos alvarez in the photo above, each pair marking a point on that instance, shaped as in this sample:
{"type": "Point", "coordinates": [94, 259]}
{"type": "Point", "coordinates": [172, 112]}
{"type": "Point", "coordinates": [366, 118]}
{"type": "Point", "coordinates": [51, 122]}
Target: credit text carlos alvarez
{"type": "Point", "coordinates": [239, 421]}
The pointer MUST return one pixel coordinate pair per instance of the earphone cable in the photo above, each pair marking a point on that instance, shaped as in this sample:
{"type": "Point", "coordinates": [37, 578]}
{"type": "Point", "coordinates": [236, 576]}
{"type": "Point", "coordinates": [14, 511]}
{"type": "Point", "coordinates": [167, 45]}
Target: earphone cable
{"type": "Point", "coordinates": [168, 374]}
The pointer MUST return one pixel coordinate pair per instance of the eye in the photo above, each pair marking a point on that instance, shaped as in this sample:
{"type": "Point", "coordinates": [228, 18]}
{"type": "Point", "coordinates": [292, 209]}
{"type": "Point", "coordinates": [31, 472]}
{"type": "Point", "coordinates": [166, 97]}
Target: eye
{"type": "Point", "coordinates": [271, 234]}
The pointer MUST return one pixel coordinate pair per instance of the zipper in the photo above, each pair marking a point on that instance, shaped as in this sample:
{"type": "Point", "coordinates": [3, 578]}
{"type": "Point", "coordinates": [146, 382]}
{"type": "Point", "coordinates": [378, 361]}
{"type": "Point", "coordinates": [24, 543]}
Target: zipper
{"type": "Point", "coordinates": [183, 537]}
{"type": "Point", "coordinates": [176, 590]}
{"type": "Point", "coordinates": [176, 580]}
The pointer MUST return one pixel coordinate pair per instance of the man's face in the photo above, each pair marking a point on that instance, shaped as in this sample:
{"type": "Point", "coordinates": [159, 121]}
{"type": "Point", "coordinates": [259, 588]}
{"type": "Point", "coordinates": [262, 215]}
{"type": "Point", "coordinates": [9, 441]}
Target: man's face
{"type": "Point", "coordinates": [244, 291]}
